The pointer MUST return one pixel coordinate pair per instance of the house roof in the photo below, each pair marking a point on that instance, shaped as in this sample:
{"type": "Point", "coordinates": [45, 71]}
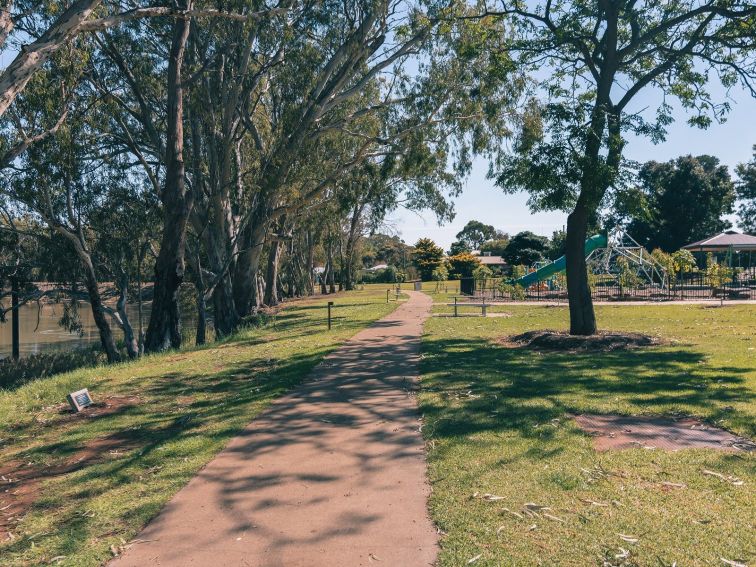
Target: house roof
{"type": "Point", "coordinates": [377, 267]}
{"type": "Point", "coordinates": [724, 241]}
{"type": "Point", "coordinates": [492, 260]}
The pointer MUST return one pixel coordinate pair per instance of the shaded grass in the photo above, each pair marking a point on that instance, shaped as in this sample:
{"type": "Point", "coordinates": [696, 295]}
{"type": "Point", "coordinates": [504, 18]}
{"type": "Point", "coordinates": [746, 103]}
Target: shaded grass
{"type": "Point", "coordinates": [190, 403]}
{"type": "Point", "coordinates": [497, 422]}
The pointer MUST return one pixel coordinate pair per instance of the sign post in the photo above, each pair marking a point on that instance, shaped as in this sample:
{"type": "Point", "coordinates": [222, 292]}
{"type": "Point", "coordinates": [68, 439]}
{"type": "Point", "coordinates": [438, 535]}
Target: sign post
{"type": "Point", "coordinates": [79, 399]}
{"type": "Point", "coordinates": [330, 304]}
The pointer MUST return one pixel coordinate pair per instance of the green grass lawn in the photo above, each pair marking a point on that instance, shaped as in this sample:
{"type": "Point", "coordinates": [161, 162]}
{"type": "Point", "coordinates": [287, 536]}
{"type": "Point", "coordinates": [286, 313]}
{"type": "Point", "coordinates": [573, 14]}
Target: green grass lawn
{"type": "Point", "coordinates": [188, 405]}
{"type": "Point", "coordinates": [497, 423]}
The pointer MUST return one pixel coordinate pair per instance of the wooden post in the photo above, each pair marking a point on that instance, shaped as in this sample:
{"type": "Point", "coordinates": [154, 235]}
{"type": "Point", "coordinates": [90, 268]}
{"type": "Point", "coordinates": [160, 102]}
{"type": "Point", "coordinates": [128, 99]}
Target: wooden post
{"type": "Point", "coordinates": [15, 334]}
{"type": "Point", "coordinates": [484, 306]}
{"type": "Point", "coordinates": [330, 304]}
{"type": "Point", "coordinates": [387, 295]}
{"type": "Point", "coordinates": [455, 305]}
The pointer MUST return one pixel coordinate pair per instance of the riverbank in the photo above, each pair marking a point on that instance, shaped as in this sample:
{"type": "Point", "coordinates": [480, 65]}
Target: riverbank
{"type": "Point", "coordinates": [83, 484]}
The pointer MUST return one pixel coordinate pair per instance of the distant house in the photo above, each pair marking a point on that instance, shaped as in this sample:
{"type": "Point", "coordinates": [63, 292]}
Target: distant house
{"type": "Point", "coordinates": [377, 267]}
{"type": "Point", "coordinates": [493, 262]}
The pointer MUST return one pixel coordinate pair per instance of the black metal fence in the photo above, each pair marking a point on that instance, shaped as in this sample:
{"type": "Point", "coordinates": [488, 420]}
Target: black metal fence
{"type": "Point", "coordinates": [740, 284]}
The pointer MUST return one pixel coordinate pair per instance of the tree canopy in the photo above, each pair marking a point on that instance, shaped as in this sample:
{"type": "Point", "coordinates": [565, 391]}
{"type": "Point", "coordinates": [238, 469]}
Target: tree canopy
{"type": "Point", "coordinates": [678, 202]}
{"type": "Point", "coordinates": [590, 59]}
{"type": "Point", "coordinates": [427, 257]}
{"type": "Point", "coordinates": [746, 192]}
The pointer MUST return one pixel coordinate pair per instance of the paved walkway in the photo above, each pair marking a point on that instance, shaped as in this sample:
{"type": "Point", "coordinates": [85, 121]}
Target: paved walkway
{"type": "Point", "coordinates": [332, 474]}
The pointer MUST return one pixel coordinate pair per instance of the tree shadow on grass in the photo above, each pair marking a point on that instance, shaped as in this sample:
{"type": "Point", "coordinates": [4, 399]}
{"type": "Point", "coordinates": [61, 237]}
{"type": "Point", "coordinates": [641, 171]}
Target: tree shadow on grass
{"type": "Point", "coordinates": [483, 387]}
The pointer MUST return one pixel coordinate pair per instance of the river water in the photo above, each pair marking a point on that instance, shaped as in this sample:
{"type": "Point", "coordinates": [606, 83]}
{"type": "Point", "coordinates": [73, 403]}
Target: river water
{"type": "Point", "coordinates": [40, 331]}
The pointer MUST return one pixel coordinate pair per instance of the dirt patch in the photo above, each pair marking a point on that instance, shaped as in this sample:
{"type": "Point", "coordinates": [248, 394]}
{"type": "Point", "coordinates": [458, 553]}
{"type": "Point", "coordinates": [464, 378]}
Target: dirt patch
{"type": "Point", "coordinates": [21, 481]}
{"type": "Point", "coordinates": [603, 341]}
{"type": "Point", "coordinates": [102, 408]}
{"type": "Point", "coordinates": [624, 432]}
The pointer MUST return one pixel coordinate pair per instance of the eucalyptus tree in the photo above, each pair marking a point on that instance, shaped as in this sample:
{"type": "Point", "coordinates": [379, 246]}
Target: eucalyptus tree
{"type": "Point", "coordinates": [35, 32]}
{"type": "Point", "coordinates": [348, 79]}
{"type": "Point", "coordinates": [59, 183]}
{"type": "Point", "coordinates": [591, 59]}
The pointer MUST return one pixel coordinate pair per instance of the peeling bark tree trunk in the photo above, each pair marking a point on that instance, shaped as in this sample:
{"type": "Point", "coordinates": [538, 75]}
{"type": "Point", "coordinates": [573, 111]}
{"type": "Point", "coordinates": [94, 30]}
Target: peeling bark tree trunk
{"type": "Point", "coordinates": [164, 330]}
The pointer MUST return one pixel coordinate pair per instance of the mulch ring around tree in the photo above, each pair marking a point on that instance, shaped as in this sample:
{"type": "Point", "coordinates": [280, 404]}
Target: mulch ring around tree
{"type": "Point", "coordinates": [603, 341]}
{"type": "Point", "coordinates": [611, 432]}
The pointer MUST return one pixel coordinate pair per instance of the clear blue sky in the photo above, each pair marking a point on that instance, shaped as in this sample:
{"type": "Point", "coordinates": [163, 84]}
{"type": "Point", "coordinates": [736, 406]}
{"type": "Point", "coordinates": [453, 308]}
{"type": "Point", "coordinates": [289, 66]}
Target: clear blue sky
{"type": "Point", "coordinates": [731, 142]}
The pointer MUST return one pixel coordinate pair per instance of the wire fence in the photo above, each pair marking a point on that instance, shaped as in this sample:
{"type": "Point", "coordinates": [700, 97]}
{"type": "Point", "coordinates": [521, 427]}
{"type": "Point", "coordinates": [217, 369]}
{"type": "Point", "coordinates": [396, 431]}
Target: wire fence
{"type": "Point", "coordinates": [698, 285]}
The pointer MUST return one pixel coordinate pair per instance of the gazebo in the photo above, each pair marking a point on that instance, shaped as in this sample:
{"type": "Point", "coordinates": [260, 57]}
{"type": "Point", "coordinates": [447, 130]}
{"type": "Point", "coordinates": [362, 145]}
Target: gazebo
{"type": "Point", "coordinates": [730, 243]}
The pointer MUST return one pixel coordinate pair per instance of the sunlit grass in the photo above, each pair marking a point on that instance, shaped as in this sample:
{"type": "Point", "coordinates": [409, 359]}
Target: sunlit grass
{"type": "Point", "coordinates": [497, 422]}
{"type": "Point", "coordinates": [188, 405]}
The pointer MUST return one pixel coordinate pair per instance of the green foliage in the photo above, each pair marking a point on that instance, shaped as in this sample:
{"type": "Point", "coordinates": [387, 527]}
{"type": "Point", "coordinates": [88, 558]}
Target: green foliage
{"type": "Point", "coordinates": [427, 256]}
{"type": "Point", "coordinates": [678, 202]}
{"type": "Point", "coordinates": [43, 365]}
{"type": "Point", "coordinates": [384, 249]}
{"type": "Point", "coordinates": [495, 247]}
{"type": "Point", "coordinates": [627, 276]}
{"type": "Point", "coordinates": [684, 261]}
{"type": "Point", "coordinates": [439, 275]}
{"type": "Point", "coordinates": [474, 234]}
{"type": "Point", "coordinates": [526, 248]}
{"type": "Point", "coordinates": [482, 273]}
{"type": "Point", "coordinates": [746, 191]}
{"type": "Point", "coordinates": [518, 271]}
{"type": "Point", "coordinates": [389, 274]}
{"type": "Point", "coordinates": [557, 245]}
{"type": "Point", "coordinates": [514, 291]}
{"type": "Point", "coordinates": [463, 265]}
{"type": "Point", "coordinates": [717, 275]}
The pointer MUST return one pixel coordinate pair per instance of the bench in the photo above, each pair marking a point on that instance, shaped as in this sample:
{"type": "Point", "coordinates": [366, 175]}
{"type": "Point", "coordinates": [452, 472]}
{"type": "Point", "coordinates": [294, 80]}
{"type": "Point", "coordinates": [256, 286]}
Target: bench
{"type": "Point", "coordinates": [483, 306]}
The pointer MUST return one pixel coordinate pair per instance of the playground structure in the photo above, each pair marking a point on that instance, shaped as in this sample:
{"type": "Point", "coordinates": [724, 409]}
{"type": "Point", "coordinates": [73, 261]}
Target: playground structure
{"type": "Point", "coordinates": [613, 254]}
{"type": "Point", "coordinates": [619, 268]}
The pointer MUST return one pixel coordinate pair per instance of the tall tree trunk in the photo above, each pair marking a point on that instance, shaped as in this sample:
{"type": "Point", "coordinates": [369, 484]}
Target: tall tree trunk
{"type": "Point", "coordinates": [310, 267]}
{"type": "Point", "coordinates": [271, 278]}
{"type": "Point", "coordinates": [225, 317]}
{"type": "Point", "coordinates": [246, 286]}
{"type": "Point", "coordinates": [331, 269]}
{"type": "Point", "coordinates": [132, 345]}
{"type": "Point", "coordinates": [201, 334]}
{"type": "Point", "coordinates": [93, 291]}
{"type": "Point", "coordinates": [582, 316]}
{"type": "Point", "coordinates": [164, 330]}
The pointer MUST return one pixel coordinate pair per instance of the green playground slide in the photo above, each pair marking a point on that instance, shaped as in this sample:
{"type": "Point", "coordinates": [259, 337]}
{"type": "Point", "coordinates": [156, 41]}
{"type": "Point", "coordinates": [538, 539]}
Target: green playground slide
{"type": "Point", "coordinates": [560, 264]}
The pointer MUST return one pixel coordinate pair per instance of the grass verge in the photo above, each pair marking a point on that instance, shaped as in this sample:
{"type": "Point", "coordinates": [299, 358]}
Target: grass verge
{"type": "Point", "coordinates": [497, 424]}
{"type": "Point", "coordinates": [93, 480]}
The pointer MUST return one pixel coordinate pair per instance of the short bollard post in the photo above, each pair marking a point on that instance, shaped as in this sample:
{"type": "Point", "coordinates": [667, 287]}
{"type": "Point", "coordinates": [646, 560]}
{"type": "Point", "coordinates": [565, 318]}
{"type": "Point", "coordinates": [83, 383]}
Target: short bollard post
{"type": "Point", "coordinates": [387, 295]}
{"type": "Point", "coordinates": [455, 306]}
{"type": "Point", "coordinates": [484, 307]}
{"type": "Point", "coordinates": [330, 304]}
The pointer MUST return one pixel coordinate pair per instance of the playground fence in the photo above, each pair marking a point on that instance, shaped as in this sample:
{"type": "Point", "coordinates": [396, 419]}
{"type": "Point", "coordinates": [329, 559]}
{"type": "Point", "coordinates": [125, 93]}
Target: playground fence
{"type": "Point", "coordinates": [696, 285]}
